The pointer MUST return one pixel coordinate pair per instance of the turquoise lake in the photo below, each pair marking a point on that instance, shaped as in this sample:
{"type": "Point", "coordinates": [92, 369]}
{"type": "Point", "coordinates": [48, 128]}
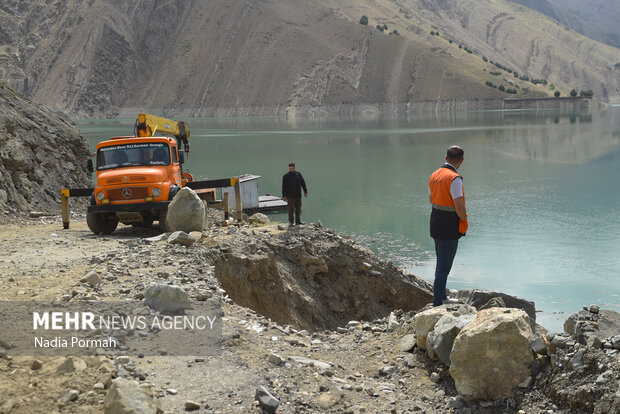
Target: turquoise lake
{"type": "Point", "coordinates": [542, 191]}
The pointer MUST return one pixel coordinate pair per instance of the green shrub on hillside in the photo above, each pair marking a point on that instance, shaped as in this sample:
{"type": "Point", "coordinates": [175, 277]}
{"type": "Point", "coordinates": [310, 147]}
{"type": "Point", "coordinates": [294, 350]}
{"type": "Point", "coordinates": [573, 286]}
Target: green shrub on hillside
{"type": "Point", "coordinates": [557, 94]}
{"type": "Point", "coordinates": [364, 20]}
{"type": "Point", "coordinates": [573, 93]}
{"type": "Point", "coordinates": [586, 93]}
{"type": "Point", "coordinates": [501, 88]}
{"type": "Point", "coordinates": [432, 33]}
{"type": "Point", "coordinates": [485, 59]}
{"type": "Point", "coordinates": [380, 28]}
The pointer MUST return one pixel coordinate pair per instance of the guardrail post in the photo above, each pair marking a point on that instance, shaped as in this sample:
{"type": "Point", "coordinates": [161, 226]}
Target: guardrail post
{"type": "Point", "coordinates": [225, 206]}
{"type": "Point", "coordinates": [238, 206]}
{"type": "Point", "coordinates": [65, 210]}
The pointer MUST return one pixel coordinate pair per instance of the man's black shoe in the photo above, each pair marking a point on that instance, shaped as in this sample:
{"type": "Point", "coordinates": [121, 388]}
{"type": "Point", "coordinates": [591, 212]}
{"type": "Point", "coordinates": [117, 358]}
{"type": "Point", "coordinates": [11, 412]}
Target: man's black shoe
{"type": "Point", "coordinates": [299, 223]}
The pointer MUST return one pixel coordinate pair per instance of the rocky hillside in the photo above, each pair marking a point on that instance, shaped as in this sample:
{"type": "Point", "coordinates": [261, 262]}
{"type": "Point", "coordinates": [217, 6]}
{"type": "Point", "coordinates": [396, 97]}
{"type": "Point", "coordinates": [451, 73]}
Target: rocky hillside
{"type": "Point", "coordinates": [597, 19]}
{"type": "Point", "coordinates": [41, 151]}
{"type": "Point", "coordinates": [294, 57]}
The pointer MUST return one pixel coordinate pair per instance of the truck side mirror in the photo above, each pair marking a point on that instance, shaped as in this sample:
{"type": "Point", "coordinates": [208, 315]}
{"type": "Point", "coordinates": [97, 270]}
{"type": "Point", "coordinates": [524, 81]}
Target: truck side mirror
{"type": "Point", "coordinates": [181, 156]}
{"type": "Point", "coordinates": [89, 166]}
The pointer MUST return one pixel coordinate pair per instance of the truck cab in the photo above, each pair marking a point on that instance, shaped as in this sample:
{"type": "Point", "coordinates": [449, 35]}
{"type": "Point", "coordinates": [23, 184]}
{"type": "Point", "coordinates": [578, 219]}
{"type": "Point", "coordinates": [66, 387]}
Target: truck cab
{"type": "Point", "coordinates": [137, 177]}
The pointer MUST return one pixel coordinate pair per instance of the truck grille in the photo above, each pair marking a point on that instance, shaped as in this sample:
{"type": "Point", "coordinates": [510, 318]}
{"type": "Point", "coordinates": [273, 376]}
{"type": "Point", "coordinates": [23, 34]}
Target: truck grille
{"type": "Point", "coordinates": [134, 178]}
{"type": "Point", "coordinates": [128, 193]}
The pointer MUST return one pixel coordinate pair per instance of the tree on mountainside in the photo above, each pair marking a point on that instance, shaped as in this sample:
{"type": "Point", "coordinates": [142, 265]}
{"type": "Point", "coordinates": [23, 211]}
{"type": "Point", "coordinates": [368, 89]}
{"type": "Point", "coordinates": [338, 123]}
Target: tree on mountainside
{"type": "Point", "coordinates": [573, 93]}
{"type": "Point", "coordinates": [557, 94]}
{"type": "Point", "coordinates": [364, 20]}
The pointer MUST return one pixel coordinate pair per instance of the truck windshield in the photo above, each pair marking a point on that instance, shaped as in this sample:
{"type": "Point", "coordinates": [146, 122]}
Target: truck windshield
{"type": "Point", "coordinates": [129, 155]}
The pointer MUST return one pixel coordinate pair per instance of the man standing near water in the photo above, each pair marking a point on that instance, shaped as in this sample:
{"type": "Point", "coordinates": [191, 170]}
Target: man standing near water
{"type": "Point", "coordinates": [292, 183]}
{"type": "Point", "coordinates": [448, 219]}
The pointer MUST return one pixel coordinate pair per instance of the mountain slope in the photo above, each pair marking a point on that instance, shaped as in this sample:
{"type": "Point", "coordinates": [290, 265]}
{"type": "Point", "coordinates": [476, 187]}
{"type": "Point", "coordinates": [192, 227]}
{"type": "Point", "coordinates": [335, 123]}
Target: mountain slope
{"type": "Point", "coordinates": [596, 19]}
{"type": "Point", "coordinates": [505, 32]}
{"type": "Point", "coordinates": [282, 57]}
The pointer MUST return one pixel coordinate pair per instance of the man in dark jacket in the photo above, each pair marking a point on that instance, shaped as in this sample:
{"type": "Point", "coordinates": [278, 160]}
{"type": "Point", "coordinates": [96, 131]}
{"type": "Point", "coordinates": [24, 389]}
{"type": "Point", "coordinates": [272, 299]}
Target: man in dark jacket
{"type": "Point", "coordinates": [292, 183]}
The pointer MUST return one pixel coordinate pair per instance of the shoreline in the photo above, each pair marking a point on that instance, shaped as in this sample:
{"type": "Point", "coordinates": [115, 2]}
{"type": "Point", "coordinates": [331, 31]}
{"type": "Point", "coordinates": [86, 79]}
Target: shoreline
{"type": "Point", "coordinates": [371, 111]}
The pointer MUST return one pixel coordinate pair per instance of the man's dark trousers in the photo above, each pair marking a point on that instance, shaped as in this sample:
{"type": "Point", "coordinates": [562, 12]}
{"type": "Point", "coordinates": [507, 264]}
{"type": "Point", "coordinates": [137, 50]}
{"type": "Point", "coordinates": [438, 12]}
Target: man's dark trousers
{"type": "Point", "coordinates": [294, 205]}
{"type": "Point", "coordinates": [445, 250]}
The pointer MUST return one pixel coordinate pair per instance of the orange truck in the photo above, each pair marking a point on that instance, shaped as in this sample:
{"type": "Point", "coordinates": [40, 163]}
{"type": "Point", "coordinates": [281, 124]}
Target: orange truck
{"type": "Point", "coordinates": [137, 177]}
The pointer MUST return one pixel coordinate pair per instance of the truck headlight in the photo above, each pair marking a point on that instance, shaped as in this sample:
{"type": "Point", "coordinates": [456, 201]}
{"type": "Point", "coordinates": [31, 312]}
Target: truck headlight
{"type": "Point", "coordinates": [100, 196]}
{"type": "Point", "coordinates": [156, 192]}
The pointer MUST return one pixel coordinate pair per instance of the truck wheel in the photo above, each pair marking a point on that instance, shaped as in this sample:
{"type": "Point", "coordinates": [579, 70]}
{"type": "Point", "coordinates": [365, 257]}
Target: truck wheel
{"type": "Point", "coordinates": [101, 223]}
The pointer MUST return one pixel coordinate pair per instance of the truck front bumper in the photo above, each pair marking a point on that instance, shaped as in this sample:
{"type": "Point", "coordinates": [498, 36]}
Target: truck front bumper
{"type": "Point", "coordinates": [128, 208]}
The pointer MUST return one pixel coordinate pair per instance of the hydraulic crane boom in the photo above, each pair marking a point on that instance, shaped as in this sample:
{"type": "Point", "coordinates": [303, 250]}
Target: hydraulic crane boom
{"type": "Point", "coordinates": [147, 125]}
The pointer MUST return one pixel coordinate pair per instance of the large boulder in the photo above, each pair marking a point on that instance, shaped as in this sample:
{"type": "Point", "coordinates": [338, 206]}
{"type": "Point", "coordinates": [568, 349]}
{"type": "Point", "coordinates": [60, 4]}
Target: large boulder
{"type": "Point", "coordinates": [485, 299]}
{"type": "Point", "coordinates": [166, 298]}
{"type": "Point", "coordinates": [127, 397]}
{"type": "Point", "coordinates": [492, 355]}
{"type": "Point", "coordinates": [425, 321]}
{"type": "Point", "coordinates": [585, 324]}
{"type": "Point", "coordinates": [446, 331]}
{"type": "Point", "coordinates": [186, 212]}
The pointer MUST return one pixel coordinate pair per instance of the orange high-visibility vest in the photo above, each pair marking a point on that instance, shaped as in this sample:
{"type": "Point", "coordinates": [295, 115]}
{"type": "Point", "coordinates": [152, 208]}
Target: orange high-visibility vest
{"type": "Point", "coordinates": [439, 184]}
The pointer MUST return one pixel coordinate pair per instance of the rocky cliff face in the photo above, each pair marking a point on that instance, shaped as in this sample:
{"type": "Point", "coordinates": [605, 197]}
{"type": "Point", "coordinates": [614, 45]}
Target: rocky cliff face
{"type": "Point", "coordinates": [41, 151]}
{"type": "Point", "coordinates": [297, 58]}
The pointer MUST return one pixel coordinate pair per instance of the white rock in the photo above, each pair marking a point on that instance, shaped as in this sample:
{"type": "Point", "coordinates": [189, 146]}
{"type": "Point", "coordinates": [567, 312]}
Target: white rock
{"type": "Point", "coordinates": [393, 322]}
{"type": "Point", "coordinates": [155, 239]}
{"type": "Point", "coordinates": [71, 364]}
{"type": "Point", "coordinates": [180, 237]}
{"type": "Point", "coordinates": [258, 218]}
{"type": "Point", "coordinates": [69, 396]}
{"type": "Point", "coordinates": [92, 278]}
{"type": "Point", "coordinates": [127, 397]}
{"type": "Point", "coordinates": [165, 297]}
{"type": "Point", "coordinates": [308, 361]}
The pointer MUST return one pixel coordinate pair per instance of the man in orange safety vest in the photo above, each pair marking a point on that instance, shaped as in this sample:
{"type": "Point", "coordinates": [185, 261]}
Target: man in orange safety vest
{"type": "Point", "coordinates": [448, 219]}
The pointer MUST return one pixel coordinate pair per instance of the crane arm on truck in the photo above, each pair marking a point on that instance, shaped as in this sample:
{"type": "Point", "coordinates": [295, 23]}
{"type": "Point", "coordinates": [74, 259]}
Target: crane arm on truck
{"type": "Point", "coordinates": [147, 125]}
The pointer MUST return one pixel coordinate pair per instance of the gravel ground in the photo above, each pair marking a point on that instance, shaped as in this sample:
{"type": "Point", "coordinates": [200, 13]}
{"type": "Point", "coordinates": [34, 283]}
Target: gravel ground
{"type": "Point", "coordinates": [359, 369]}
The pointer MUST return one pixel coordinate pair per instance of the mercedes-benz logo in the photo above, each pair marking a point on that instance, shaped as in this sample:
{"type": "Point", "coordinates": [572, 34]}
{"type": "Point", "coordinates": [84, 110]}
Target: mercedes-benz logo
{"type": "Point", "coordinates": [126, 193]}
